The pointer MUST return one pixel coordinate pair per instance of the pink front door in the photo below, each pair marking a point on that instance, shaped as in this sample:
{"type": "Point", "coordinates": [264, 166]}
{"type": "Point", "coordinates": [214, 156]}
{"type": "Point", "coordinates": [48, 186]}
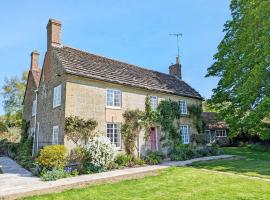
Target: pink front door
{"type": "Point", "coordinates": [153, 139]}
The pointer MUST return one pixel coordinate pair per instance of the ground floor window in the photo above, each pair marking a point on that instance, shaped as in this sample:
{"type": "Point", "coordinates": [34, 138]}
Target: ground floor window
{"type": "Point", "coordinates": [55, 135]}
{"type": "Point", "coordinates": [184, 134]}
{"type": "Point", "coordinates": [221, 133]}
{"type": "Point", "coordinates": [113, 132]}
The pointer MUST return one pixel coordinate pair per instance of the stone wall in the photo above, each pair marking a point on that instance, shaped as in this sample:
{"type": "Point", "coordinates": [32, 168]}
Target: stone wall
{"type": "Point", "coordinates": [87, 98]}
{"type": "Point", "coordinates": [47, 116]}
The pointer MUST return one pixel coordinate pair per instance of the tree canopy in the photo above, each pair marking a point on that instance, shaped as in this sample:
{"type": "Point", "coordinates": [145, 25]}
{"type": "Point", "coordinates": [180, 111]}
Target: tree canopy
{"type": "Point", "coordinates": [242, 63]}
{"type": "Point", "coordinates": [13, 93]}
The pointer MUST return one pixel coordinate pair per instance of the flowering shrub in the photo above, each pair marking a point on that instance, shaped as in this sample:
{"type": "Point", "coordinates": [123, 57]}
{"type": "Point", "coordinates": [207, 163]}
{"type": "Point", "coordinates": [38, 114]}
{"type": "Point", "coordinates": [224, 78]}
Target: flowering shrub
{"type": "Point", "coordinates": [54, 156]}
{"type": "Point", "coordinates": [100, 152]}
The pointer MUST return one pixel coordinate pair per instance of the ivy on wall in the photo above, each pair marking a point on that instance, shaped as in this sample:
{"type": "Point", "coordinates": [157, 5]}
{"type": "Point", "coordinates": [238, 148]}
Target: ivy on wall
{"type": "Point", "coordinates": [169, 116]}
{"type": "Point", "coordinates": [195, 112]}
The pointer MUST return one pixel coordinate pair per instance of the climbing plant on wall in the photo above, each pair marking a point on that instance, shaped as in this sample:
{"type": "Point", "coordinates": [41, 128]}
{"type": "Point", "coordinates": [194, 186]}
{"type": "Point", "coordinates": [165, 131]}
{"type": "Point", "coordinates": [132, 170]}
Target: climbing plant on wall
{"type": "Point", "coordinates": [195, 112]}
{"type": "Point", "coordinates": [130, 129]}
{"type": "Point", "coordinates": [169, 116]}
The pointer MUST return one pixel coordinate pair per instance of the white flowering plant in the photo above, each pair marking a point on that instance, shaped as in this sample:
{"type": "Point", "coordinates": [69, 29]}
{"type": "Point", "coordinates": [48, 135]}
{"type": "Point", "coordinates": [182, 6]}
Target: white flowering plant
{"type": "Point", "coordinates": [100, 152]}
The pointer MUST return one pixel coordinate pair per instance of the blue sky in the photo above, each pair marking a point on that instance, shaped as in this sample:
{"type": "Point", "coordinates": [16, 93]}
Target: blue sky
{"type": "Point", "coordinates": [135, 31]}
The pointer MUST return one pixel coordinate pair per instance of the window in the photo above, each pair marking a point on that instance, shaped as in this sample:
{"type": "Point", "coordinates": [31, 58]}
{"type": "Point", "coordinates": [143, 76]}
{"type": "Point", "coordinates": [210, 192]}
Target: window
{"type": "Point", "coordinates": [57, 96]}
{"type": "Point", "coordinates": [113, 132]}
{"type": "Point", "coordinates": [34, 108]}
{"type": "Point", "coordinates": [221, 133]}
{"type": "Point", "coordinates": [55, 135]}
{"type": "Point", "coordinates": [113, 98]}
{"type": "Point", "coordinates": [183, 107]}
{"type": "Point", "coordinates": [153, 102]}
{"type": "Point", "coordinates": [184, 134]}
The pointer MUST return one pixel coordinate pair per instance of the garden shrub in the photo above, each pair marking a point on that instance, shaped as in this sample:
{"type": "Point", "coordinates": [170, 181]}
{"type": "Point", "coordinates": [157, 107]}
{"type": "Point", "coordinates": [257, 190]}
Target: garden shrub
{"type": "Point", "coordinates": [77, 155]}
{"type": "Point", "coordinates": [182, 152]}
{"type": "Point", "coordinates": [23, 153]}
{"type": "Point", "coordinates": [54, 156]}
{"type": "Point", "coordinates": [154, 158]}
{"type": "Point", "coordinates": [55, 174]}
{"type": "Point", "coordinates": [100, 152]}
{"type": "Point", "coordinates": [125, 160]}
{"type": "Point", "coordinates": [90, 168]}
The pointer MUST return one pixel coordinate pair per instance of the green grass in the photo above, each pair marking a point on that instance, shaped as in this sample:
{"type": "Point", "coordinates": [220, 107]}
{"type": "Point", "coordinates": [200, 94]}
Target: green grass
{"type": "Point", "coordinates": [173, 183]}
{"type": "Point", "coordinates": [190, 183]}
{"type": "Point", "coordinates": [250, 162]}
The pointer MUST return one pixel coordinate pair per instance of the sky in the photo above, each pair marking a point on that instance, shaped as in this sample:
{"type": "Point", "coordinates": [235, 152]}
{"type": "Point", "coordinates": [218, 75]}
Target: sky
{"type": "Point", "coordinates": [134, 31]}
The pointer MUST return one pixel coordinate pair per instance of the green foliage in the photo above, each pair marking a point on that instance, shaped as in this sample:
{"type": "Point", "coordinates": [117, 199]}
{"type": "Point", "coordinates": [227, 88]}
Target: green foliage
{"type": "Point", "coordinates": [77, 155]}
{"type": "Point", "coordinates": [90, 168]}
{"type": "Point", "coordinates": [53, 157]}
{"type": "Point", "coordinates": [169, 118]}
{"type": "Point", "coordinates": [149, 117]}
{"type": "Point", "coordinates": [242, 64]}
{"type": "Point", "coordinates": [24, 153]}
{"type": "Point", "coordinates": [125, 160]}
{"type": "Point", "coordinates": [78, 129]}
{"type": "Point", "coordinates": [13, 93]}
{"type": "Point", "coordinates": [195, 112]}
{"type": "Point", "coordinates": [130, 129]}
{"type": "Point", "coordinates": [154, 158]}
{"type": "Point", "coordinates": [182, 152]}
{"type": "Point", "coordinates": [3, 127]}
{"type": "Point", "coordinates": [55, 174]}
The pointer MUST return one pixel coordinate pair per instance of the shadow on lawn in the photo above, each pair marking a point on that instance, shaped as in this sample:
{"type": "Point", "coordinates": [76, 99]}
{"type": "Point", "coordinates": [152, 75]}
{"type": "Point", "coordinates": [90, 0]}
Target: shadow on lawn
{"type": "Point", "coordinates": [248, 162]}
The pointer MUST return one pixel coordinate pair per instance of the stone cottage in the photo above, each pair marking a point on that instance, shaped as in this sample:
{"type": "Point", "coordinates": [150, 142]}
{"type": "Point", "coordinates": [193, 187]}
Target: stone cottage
{"type": "Point", "coordinates": [78, 83]}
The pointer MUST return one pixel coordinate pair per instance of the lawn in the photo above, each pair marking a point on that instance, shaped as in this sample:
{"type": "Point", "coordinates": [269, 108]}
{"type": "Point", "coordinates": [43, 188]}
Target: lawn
{"type": "Point", "coordinates": [252, 161]}
{"type": "Point", "coordinates": [192, 183]}
{"type": "Point", "coordinates": [173, 183]}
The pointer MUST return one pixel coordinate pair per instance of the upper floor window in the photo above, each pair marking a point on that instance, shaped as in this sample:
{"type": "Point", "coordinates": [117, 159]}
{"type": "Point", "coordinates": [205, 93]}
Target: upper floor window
{"type": "Point", "coordinates": [55, 135]}
{"type": "Point", "coordinates": [113, 98]}
{"type": "Point", "coordinates": [34, 108]}
{"type": "Point", "coordinates": [113, 132]}
{"type": "Point", "coordinates": [221, 133]}
{"type": "Point", "coordinates": [183, 107]}
{"type": "Point", "coordinates": [57, 96]}
{"type": "Point", "coordinates": [154, 102]}
{"type": "Point", "coordinates": [184, 134]}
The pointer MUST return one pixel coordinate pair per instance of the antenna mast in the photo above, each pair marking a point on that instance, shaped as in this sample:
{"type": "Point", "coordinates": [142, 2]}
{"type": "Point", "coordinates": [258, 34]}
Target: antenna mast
{"type": "Point", "coordinates": [177, 35]}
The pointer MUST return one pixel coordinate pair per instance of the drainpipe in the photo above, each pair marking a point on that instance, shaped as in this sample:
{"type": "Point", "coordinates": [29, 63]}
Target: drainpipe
{"type": "Point", "coordinates": [35, 125]}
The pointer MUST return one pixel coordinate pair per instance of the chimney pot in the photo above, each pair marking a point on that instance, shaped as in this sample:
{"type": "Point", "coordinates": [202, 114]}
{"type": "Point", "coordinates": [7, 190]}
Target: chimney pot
{"type": "Point", "coordinates": [34, 60]}
{"type": "Point", "coordinates": [53, 33]}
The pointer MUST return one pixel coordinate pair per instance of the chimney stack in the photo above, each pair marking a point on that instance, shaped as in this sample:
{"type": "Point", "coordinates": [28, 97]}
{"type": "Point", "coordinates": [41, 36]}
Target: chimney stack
{"type": "Point", "coordinates": [175, 69]}
{"type": "Point", "coordinates": [34, 60]}
{"type": "Point", "coordinates": [53, 33]}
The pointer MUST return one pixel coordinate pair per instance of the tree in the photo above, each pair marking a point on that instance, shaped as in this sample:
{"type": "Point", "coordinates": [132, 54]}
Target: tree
{"type": "Point", "coordinates": [13, 93]}
{"type": "Point", "coordinates": [78, 129]}
{"type": "Point", "coordinates": [242, 63]}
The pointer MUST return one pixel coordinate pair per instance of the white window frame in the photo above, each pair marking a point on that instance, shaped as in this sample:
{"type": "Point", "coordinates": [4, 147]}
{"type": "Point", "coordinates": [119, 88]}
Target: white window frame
{"type": "Point", "coordinates": [57, 96]}
{"type": "Point", "coordinates": [34, 108]}
{"type": "Point", "coordinates": [222, 133]}
{"type": "Point", "coordinates": [113, 98]}
{"type": "Point", "coordinates": [154, 102]}
{"type": "Point", "coordinates": [55, 135]}
{"type": "Point", "coordinates": [185, 135]}
{"type": "Point", "coordinates": [119, 132]}
{"type": "Point", "coordinates": [183, 107]}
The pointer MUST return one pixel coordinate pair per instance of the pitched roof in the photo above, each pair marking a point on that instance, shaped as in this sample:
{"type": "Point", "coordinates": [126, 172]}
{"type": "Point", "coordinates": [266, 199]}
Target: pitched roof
{"type": "Point", "coordinates": [213, 122]}
{"type": "Point", "coordinates": [93, 66]}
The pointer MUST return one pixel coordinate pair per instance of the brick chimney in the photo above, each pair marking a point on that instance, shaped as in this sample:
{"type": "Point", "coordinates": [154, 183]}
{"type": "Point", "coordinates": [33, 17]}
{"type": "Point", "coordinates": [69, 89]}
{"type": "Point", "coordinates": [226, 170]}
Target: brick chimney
{"type": "Point", "coordinates": [53, 33]}
{"type": "Point", "coordinates": [34, 60]}
{"type": "Point", "coordinates": [175, 69]}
